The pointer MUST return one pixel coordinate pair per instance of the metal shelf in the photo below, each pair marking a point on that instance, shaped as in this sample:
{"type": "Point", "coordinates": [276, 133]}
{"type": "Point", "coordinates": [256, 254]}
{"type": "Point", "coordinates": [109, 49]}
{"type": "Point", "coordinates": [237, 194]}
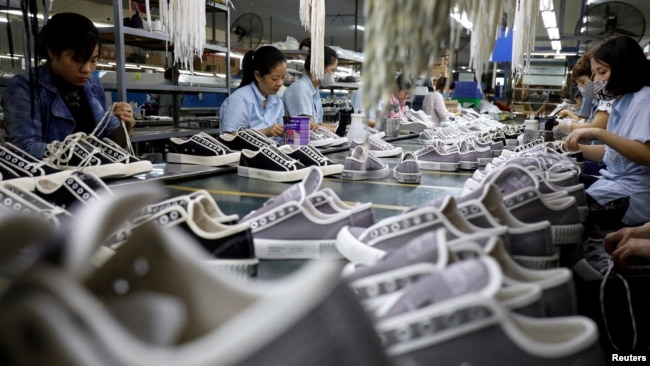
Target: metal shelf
{"type": "Point", "coordinates": [149, 40]}
{"type": "Point", "coordinates": [168, 88]}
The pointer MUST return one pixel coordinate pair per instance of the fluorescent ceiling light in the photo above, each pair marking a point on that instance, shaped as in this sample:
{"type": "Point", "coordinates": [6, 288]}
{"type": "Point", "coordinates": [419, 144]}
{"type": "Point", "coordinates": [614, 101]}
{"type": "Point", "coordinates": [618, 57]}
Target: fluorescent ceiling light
{"type": "Point", "coordinates": [236, 55]}
{"type": "Point", "coordinates": [553, 33]}
{"type": "Point", "coordinates": [19, 13]}
{"type": "Point", "coordinates": [361, 27]}
{"type": "Point", "coordinates": [546, 5]}
{"type": "Point", "coordinates": [556, 45]}
{"type": "Point", "coordinates": [549, 19]}
{"type": "Point", "coordinates": [461, 18]}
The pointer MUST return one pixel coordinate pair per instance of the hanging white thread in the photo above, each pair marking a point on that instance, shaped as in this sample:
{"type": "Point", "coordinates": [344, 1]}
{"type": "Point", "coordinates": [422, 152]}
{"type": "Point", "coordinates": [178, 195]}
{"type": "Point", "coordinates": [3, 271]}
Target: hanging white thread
{"type": "Point", "coordinates": [184, 22]}
{"type": "Point", "coordinates": [312, 17]}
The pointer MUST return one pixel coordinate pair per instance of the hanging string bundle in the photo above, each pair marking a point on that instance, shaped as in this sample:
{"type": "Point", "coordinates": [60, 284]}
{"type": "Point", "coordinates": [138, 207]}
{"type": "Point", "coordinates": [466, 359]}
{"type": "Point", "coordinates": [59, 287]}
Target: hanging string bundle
{"type": "Point", "coordinates": [312, 17]}
{"type": "Point", "coordinates": [523, 42]}
{"type": "Point", "coordinates": [184, 22]}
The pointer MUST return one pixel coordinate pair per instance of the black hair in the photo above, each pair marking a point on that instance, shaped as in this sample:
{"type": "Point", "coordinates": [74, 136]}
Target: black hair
{"type": "Point", "coordinates": [65, 31]}
{"type": "Point", "coordinates": [261, 60]}
{"type": "Point", "coordinates": [628, 65]}
{"type": "Point", "coordinates": [402, 82]}
{"type": "Point", "coordinates": [329, 55]}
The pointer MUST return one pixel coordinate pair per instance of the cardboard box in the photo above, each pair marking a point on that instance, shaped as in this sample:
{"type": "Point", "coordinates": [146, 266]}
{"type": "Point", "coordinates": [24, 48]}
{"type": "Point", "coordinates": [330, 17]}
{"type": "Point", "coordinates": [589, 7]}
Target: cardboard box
{"type": "Point", "coordinates": [296, 130]}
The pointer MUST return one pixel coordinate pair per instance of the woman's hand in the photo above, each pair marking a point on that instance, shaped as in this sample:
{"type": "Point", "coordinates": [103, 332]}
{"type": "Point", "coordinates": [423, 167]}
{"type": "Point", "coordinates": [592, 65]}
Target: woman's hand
{"type": "Point", "coordinates": [275, 130]}
{"type": "Point", "coordinates": [577, 135]}
{"type": "Point", "coordinates": [313, 126]}
{"type": "Point", "coordinates": [565, 113]}
{"type": "Point", "coordinates": [612, 240]}
{"type": "Point", "coordinates": [634, 247]}
{"type": "Point", "coordinates": [124, 112]}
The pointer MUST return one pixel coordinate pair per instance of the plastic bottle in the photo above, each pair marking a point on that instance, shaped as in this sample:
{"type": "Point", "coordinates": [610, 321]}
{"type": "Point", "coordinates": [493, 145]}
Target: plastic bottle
{"type": "Point", "coordinates": [356, 130]}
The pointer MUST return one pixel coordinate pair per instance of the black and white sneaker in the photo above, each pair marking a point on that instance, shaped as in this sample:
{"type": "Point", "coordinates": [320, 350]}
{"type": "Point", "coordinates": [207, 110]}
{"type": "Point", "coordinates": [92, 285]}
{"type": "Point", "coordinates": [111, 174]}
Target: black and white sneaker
{"type": "Point", "coordinates": [75, 154]}
{"type": "Point", "coordinates": [210, 207]}
{"type": "Point", "coordinates": [116, 153]}
{"type": "Point", "coordinates": [16, 200]}
{"type": "Point", "coordinates": [270, 164]}
{"type": "Point", "coordinates": [245, 139]}
{"type": "Point", "coordinates": [201, 149]}
{"type": "Point", "coordinates": [308, 155]}
{"type": "Point", "coordinates": [76, 189]}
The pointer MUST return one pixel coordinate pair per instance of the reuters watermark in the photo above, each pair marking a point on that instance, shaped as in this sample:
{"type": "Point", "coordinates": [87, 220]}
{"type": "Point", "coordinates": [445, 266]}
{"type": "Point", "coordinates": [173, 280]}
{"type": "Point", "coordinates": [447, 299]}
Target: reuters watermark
{"type": "Point", "coordinates": [628, 358]}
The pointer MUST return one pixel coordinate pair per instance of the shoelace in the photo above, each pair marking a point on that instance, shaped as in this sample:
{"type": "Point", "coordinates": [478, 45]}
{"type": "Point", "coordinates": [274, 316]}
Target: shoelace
{"type": "Point", "coordinates": [603, 283]}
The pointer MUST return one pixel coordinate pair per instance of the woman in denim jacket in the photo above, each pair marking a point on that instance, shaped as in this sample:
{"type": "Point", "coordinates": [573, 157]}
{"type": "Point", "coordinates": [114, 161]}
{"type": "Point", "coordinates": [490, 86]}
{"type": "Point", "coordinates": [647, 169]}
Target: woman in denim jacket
{"type": "Point", "coordinates": [62, 98]}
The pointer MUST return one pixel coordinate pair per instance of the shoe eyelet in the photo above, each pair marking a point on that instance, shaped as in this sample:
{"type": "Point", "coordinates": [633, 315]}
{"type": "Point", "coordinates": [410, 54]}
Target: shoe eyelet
{"type": "Point", "coordinates": [390, 286]}
{"type": "Point", "coordinates": [395, 227]}
{"type": "Point", "coordinates": [384, 230]}
{"type": "Point", "coordinates": [121, 286]}
{"type": "Point", "coordinates": [163, 220]}
{"type": "Point", "coordinates": [403, 333]}
{"type": "Point", "coordinates": [427, 327]}
{"type": "Point", "coordinates": [452, 320]}
{"type": "Point", "coordinates": [372, 290]}
{"type": "Point", "coordinates": [141, 266]}
{"type": "Point", "coordinates": [174, 215]}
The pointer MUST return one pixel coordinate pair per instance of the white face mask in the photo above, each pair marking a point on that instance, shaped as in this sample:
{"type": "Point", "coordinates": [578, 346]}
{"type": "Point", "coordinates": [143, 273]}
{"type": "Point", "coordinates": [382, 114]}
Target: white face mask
{"type": "Point", "coordinates": [587, 91]}
{"type": "Point", "coordinates": [328, 79]}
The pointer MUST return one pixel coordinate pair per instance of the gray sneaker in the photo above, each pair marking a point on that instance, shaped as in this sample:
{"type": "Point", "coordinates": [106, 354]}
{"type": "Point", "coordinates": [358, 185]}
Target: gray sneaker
{"type": "Point", "coordinates": [377, 147]}
{"type": "Point", "coordinates": [407, 169]}
{"type": "Point", "coordinates": [361, 165]}
{"type": "Point", "coordinates": [290, 227]}
{"type": "Point", "coordinates": [441, 317]}
{"type": "Point", "coordinates": [437, 157]}
{"type": "Point", "coordinates": [530, 244]}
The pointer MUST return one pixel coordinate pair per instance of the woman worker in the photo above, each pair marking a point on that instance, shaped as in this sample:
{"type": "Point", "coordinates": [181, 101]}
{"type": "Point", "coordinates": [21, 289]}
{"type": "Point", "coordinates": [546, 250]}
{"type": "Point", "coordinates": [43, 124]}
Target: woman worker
{"type": "Point", "coordinates": [62, 97]}
{"type": "Point", "coordinates": [255, 104]}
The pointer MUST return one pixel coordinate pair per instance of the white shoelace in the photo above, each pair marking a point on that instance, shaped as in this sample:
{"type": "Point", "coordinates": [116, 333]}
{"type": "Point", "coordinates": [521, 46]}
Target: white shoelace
{"type": "Point", "coordinates": [603, 283]}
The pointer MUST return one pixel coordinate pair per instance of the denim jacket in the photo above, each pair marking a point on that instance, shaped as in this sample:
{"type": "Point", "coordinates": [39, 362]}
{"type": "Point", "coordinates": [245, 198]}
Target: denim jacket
{"type": "Point", "coordinates": [52, 121]}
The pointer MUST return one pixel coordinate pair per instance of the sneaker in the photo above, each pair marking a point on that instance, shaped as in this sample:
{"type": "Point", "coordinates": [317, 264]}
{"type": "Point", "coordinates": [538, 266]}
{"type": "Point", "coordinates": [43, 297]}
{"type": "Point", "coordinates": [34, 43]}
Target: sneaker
{"type": "Point", "coordinates": [210, 207]}
{"type": "Point", "coordinates": [9, 175]}
{"type": "Point", "coordinates": [75, 154]}
{"type": "Point", "coordinates": [407, 169]}
{"type": "Point", "coordinates": [231, 246]}
{"type": "Point", "coordinates": [76, 189]}
{"type": "Point", "coordinates": [336, 139]}
{"type": "Point", "coordinates": [310, 156]}
{"type": "Point", "coordinates": [17, 201]}
{"type": "Point", "coordinates": [368, 245]}
{"type": "Point", "coordinates": [437, 157]}
{"type": "Point", "coordinates": [201, 149]}
{"type": "Point", "coordinates": [530, 244]}
{"type": "Point", "coordinates": [118, 154]}
{"type": "Point", "coordinates": [317, 139]}
{"type": "Point", "coordinates": [288, 226]}
{"type": "Point", "coordinates": [378, 147]}
{"type": "Point", "coordinates": [558, 291]}
{"type": "Point", "coordinates": [456, 309]}
{"type": "Point", "coordinates": [326, 201]}
{"type": "Point", "coordinates": [21, 164]}
{"type": "Point", "coordinates": [270, 163]}
{"type": "Point", "coordinates": [245, 139]}
{"type": "Point", "coordinates": [361, 165]}
{"type": "Point", "coordinates": [467, 158]}
{"type": "Point", "coordinates": [374, 132]}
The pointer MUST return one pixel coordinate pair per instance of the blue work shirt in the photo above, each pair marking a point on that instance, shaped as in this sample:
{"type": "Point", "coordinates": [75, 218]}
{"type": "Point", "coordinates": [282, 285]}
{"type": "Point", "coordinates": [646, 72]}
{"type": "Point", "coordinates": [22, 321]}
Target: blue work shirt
{"type": "Point", "coordinates": [630, 118]}
{"type": "Point", "coordinates": [302, 99]}
{"type": "Point", "coordinates": [243, 108]}
{"type": "Point", "coordinates": [52, 120]}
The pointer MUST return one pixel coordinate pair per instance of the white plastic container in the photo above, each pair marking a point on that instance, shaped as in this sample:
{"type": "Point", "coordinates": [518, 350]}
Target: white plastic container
{"type": "Point", "coordinates": [356, 130]}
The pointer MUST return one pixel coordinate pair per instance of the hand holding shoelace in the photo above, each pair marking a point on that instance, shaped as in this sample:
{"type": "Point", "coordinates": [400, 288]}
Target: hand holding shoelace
{"type": "Point", "coordinates": [124, 112]}
{"type": "Point", "coordinates": [628, 242]}
{"type": "Point", "coordinates": [573, 140]}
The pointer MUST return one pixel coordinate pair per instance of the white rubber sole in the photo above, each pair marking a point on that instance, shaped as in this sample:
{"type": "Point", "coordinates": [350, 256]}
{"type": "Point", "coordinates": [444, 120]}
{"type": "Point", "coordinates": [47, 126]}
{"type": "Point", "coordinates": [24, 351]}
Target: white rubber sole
{"type": "Point", "coordinates": [294, 249]}
{"type": "Point", "coordinates": [331, 169]}
{"type": "Point", "coordinates": [236, 267]}
{"type": "Point", "coordinates": [321, 143]}
{"type": "Point", "coordinates": [24, 183]}
{"type": "Point", "coordinates": [203, 160]}
{"type": "Point", "coordinates": [114, 170]}
{"type": "Point", "coordinates": [468, 165]}
{"type": "Point", "coordinates": [434, 165]}
{"type": "Point", "coordinates": [138, 167]}
{"type": "Point", "coordinates": [408, 178]}
{"type": "Point", "coordinates": [365, 174]}
{"type": "Point", "coordinates": [357, 251]}
{"type": "Point", "coordinates": [273, 176]}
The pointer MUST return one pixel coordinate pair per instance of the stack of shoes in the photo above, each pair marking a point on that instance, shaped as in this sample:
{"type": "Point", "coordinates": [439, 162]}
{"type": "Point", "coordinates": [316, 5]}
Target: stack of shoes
{"type": "Point", "coordinates": [155, 302]}
{"type": "Point", "coordinates": [407, 169]}
{"type": "Point", "coordinates": [201, 149]}
{"type": "Point", "coordinates": [427, 302]}
{"type": "Point", "coordinates": [290, 226]}
{"type": "Point", "coordinates": [270, 163]}
{"type": "Point", "coordinates": [308, 155]}
{"type": "Point", "coordinates": [377, 147]}
{"type": "Point", "coordinates": [361, 165]}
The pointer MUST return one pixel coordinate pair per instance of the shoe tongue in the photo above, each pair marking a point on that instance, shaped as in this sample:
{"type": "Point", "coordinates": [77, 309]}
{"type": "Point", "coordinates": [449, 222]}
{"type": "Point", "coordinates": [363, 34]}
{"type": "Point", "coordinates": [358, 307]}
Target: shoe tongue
{"type": "Point", "coordinates": [512, 179]}
{"type": "Point", "coordinates": [458, 279]}
{"type": "Point", "coordinates": [155, 318]}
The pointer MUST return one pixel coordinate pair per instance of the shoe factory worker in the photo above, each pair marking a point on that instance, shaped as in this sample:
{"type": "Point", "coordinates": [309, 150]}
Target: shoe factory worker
{"type": "Point", "coordinates": [255, 104]}
{"type": "Point", "coordinates": [629, 245]}
{"type": "Point", "coordinates": [537, 100]}
{"type": "Point", "coordinates": [621, 195]}
{"type": "Point", "coordinates": [302, 98]}
{"type": "Point", "coordinates": [434, 103]}
{"type": "Point", "coordinates": [62, 97]}
{"type": "Point", "coordinates": [593, 112]}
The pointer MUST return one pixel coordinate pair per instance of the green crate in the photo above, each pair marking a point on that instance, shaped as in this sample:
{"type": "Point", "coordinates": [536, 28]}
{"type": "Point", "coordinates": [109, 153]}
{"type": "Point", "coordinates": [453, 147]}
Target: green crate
{"type": "Point", "coordinates": [463, 101]}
